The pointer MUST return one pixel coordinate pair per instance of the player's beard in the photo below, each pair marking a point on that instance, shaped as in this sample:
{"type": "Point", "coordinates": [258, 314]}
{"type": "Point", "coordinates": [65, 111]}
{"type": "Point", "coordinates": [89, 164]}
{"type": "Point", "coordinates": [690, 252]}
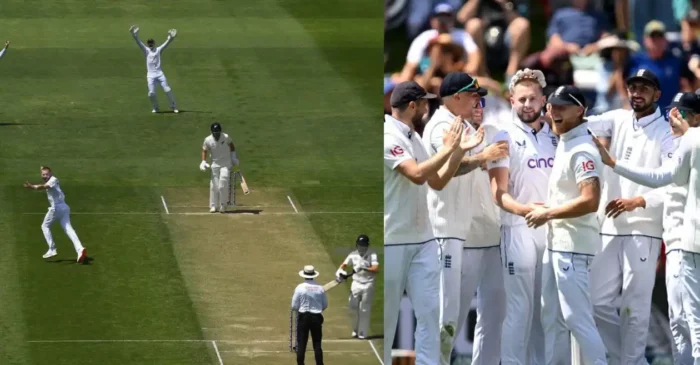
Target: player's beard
{"type": "Point", "coordinates": [527, 119]}
{"type": "Point", "coordinates": [639, 107]}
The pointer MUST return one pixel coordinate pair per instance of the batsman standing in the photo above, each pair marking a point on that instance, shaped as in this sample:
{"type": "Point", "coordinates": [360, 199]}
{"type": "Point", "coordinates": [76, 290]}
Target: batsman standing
{"type": "Point", "coordinates": [365, 264]}
{"type": "Point", "coordinates": [223, 157]}
{"type": "Point", "coordinates": [155, 73]}
{"type": "Point", "coordinates": [58, 211]}
{"type": "Point", "coordinates": [411, 251]}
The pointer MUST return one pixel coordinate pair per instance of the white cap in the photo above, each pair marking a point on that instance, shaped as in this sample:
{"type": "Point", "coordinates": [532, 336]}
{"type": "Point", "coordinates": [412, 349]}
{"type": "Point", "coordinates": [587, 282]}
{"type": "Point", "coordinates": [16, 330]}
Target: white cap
{"type": "Point", "coordinates": [309, 272]}
{"type": "Point", "coordinates": [443, 8]}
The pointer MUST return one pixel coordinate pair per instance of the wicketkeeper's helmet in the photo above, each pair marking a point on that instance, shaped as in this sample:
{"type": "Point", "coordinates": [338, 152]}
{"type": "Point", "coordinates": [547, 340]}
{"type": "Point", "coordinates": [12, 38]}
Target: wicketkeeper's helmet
{"type": "Point", "coordinates": [362, 240]}
{"type": "Point", "coordinates": [216, 127]}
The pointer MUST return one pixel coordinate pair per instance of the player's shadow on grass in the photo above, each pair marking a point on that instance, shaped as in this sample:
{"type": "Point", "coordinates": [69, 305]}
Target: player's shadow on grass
{"type": "Point", "coordinates": [87, 261]}
{"type": "Point", "coordinates": [8, 124]}
{"type": "Point", "coordinates": [244, 211]}
{"type": "Point", "coordinates": [182, 111]}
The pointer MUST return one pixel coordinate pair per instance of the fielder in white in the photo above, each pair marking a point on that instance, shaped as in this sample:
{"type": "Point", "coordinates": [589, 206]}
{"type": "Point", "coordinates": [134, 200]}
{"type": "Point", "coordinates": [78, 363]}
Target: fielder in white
{"type": "Point", "coordinates": [450, 208]}
{"type": "Point", "coordinates": [573, 234]}
{"type": "Point", "coordinates": [58, 211]}
{"type": "Point", "coordinates": [220, 148]}
{"type": "Point", "coordinates": [683, 258]}
{"type": "Point", "coordinates": [2, 52]}
{"type": "Point", "coordinates": [411, 252]}
{"type": "Point", "coordinates": [623, 273]}
{"type": "Point", "coordinates": [516, 181]}
{"type": "Point", "coordinates": [155, 73]}
{"type": "Point", "coordinates": [365, 264]}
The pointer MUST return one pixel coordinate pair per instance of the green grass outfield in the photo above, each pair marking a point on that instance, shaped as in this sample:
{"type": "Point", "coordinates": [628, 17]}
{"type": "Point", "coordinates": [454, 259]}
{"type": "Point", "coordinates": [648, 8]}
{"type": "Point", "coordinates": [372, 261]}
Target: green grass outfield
{"type": "Point", "coordinates": [296, 84]}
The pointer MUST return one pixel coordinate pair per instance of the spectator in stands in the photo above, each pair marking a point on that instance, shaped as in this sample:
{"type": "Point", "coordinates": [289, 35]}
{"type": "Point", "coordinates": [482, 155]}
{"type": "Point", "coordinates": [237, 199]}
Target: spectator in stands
{"type": "Point", "coordinates": [615, 52]}
{"type": "Point", "coordinates": [508, 17]}
{"type": "Point", "coordinates": [442, 22]}
{"type": "Point", "coordinates": [575, 30]}
{"type": "Point", "coordinates": [419, 12]}
{"type": "Point", "coordinates": [690, 29]}
{"type": "Point", "coordinates": [670, 67]}
{"type": "Point", "coordinates": [635, 14]}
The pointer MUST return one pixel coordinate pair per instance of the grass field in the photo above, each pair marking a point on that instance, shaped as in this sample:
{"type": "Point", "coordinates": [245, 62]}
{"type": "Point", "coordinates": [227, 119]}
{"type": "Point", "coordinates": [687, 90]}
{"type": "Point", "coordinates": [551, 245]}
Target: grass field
{"type": "Point", "coordinates": [295, 83]}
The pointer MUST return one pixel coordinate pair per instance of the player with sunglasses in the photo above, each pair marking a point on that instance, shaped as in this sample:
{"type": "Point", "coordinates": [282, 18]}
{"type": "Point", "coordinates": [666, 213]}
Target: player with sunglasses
{"type": "Point", "coordinates": [516, 181]}
{"type": "Point", "coordinates": [449, 207]}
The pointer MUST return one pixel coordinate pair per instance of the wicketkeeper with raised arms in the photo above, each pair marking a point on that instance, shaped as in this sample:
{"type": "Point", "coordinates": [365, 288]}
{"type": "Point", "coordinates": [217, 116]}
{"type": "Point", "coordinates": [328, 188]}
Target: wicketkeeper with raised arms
{"type": "Point", "coordinates": [223, 158]}
{"type": "Point", "coordinates": [155, 73]}
{"type": "Point", "coordinates": [365, 264]}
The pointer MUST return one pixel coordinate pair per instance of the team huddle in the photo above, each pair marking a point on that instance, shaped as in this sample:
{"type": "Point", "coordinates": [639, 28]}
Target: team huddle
{"type": "Point", "coordinates": [526, 216]}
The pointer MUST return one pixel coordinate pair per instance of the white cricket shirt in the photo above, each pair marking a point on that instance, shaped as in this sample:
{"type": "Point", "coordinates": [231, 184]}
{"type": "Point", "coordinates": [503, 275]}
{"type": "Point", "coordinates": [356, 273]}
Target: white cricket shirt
{"type": "Point", "coordinates": [447, 207]}
{"type": "Point", "coordinates": [683, 171]}
{"type": "Point", "coordinates": [643, 143]}
{"type": "Point", "coordinates": [153, 57]}
{"type": "Point", "coordinates": [219, 151]}
{"type": "Point", "coordinates": [354, 259]}
{"type": "Point", "coordinates": [54, 192]}
{"type": "Point", "coordinates": [405, 203]}
{"type": "Point", "coordinates": [419, 46]}
{"type": "Point", "coordinates": [529, 163]}
{"type": "Point", "coordinates": [577, 160]}
{"type": "Point", "coordinates": [674, 210]}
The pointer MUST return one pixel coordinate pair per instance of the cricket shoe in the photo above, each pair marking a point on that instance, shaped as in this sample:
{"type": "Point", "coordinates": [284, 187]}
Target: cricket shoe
{"type": "Point", "coordinates": [222, 209]}
{"type": "Point", "coordinates": [49, 254]}
{"type": "Point", "coordinates": [155, 110]}
{"type": "Point", "coordinates": [212, 210]}
{"type": "Point", "coordinates": [176, 111]}
{"type": "Point", "coordinates": [361, 336]}
{"type": "Point", "coordinates": [354, 334]}
{"type": "Point", "coordinates": [82, 254]}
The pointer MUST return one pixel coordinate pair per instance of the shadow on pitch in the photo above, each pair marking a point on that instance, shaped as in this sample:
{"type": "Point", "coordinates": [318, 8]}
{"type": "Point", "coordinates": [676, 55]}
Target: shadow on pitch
{"type": "Point", "coordinates": [183, 112]}
{"type": "Point", "coordinates": [7, 124]}
{"type": "Point", "coordinates": [244, 211]}
{"type": "Point", "coordinates": [87, 261]}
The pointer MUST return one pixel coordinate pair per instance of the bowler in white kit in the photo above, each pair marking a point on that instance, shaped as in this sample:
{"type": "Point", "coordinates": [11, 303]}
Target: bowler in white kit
{"type": "Point", "coordinates": [155, 75]}
{"type": "Point", "coordinates": [220, 147]}
{"type": "Point", "coordinates": [450, 207]}
{"type": "Point", "coordinates": [573, 234]}
{"type": "Point", "coordinates": [58, 211]}
{"type": "Point", "coordinates": [683, 257]}
{"type": "Point", "coordinates": [410, 249]}
{"type": "Point", "coordinates": [365, 264]}
{"type": "Point", "coordinates": [516, 181]}
{"type": "Point", "coordinates": [631, 215]}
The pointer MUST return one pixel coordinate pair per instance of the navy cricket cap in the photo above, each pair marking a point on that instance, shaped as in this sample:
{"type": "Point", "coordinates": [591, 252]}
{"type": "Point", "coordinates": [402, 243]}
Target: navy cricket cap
{"type": "Point", "coordinates": [645, 76]}
{"type": "Point", "coordinates": [686, 101]}
{"type": "Point", "coordinates": [216, 127]}
{"type": "Point", "coordinates": [407, 92]}
{"type": "Point", "coordinates": [567, 95]}
{"type": "Point", "coordinates": [458, 82]}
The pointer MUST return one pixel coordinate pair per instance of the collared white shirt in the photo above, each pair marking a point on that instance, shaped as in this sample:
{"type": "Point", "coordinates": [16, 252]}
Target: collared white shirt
{"type": "Point", "coordinates": [405, 203]}
{"type": "Point", "coordinates": [354, 259]}
{"type": "Point", "coordinates": [219, 151]}
{"type": "Point", "coordinates": [54, 192]}
{"type": "Point", "coordinates": [530, 161]}
{"type": "Point", "coordinates": [310, 297]}
{"type": "Point", "coordinates": [674, 211]}
{"type": "Point", "coordinates": [577, 160]}
{"type": "Point", "coordinates": [682, 171]}
{"type": "Point", "coordinates": [419, 46]}
{"type": "Point", "coordinates": [644, 143]}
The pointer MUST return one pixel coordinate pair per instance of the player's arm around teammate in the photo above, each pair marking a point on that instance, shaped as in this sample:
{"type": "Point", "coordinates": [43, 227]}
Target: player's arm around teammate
{"type": "Point", "coordinates": [574, 234]}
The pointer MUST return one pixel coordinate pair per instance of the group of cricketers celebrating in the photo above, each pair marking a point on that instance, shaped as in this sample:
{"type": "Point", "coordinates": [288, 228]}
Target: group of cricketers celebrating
{"type": "Point", "coordinates": [553, 219]}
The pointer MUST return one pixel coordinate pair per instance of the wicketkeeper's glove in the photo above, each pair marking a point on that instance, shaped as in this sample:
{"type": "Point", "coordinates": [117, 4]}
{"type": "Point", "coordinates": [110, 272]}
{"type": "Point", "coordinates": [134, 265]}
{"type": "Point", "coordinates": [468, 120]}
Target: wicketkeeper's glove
{"type": "Point", "coordinates": [172, 33]}
{"type": "Point", "coordinates": [203, 166]}
{"type": "Point", "coordinates": [134, 30]}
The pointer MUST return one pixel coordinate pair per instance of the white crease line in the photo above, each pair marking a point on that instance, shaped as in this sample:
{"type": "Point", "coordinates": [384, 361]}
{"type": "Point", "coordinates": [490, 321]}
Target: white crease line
{"type": "Point", "coordinates": [229, 213]}
{"type": "Point", "coordinates": [234, 342]}
{"type": "Point", "coordinates": [376, 352]}
{"type": "Point", "coordinates": [221, 362]}
{"type": "Point", "coordinates": [164, 205]}
{"type": "Point", "coordinates": [292, 203]}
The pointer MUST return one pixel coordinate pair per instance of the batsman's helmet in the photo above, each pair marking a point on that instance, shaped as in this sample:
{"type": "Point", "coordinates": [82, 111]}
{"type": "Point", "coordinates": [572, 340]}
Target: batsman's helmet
{"type": "Point", "coordinates": [216, 127]}
{"type": "Point", "coordinates": [362, 240]}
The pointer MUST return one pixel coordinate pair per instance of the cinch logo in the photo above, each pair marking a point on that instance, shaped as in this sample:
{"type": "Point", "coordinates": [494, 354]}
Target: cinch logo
{"type": "Point", "coordinates": [538, 163]}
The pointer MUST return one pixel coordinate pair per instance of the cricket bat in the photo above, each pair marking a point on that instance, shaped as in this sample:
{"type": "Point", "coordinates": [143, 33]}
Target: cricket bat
{"type": "Point", "coordinates": [336, 282]}
{"type": "Point", "coordinates": [244, 185]}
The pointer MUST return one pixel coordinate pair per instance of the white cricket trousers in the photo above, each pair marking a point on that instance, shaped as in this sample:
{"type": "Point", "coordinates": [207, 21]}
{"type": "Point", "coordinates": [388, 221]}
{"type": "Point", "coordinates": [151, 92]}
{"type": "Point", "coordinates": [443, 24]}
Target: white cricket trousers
{"type": "Point", "coordinates": [60, 213]}
{"type": "Point", "coordinates": [161, 80]}
{"type": "Point", "coordinates": [625, 269]}
{"type": "Point", "coordinates": [219, 185]}
{"type": "Point", "coordinates": [567, 306]}
{"type": "Point", "coordinates": [361, 296]}
{"type": "Point", "coordinates": [683, 286]}
{"type": "Point", "coordinates": [450, 279]}
{"type": "Point", "coordinates": [482, 274]}
{"type": "Point", "coordinates": [522, 249]}
{"type": "Point", "coordinates": [414, 268]}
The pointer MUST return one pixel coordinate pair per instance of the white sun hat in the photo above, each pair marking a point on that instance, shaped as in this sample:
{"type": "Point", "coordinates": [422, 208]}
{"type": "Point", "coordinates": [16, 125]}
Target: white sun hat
{"type": "Point", "coordinates": [309, 272]}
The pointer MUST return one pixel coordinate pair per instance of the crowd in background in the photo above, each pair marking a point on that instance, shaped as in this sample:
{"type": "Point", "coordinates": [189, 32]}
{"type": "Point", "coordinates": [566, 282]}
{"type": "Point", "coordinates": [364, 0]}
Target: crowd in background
{"type": "Point", "coordinates": [593, 44]}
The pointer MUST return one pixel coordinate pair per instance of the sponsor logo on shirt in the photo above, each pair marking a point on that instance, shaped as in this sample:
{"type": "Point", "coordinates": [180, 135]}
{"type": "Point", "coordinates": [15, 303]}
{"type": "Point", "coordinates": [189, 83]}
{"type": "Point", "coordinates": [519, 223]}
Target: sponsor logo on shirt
{"type": "Point", "coordinates": [397, 151]}
{"type": "Point", "coordinates": [588, 165]}
{"type": "Point", "coordinates": [540, 163]}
